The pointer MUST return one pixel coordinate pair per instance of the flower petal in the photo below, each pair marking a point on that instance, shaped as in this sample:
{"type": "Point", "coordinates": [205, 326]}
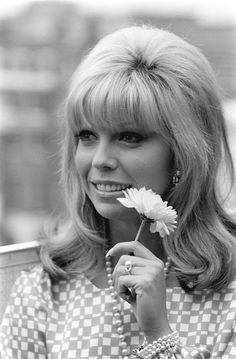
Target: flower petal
{"type": "Point", "coordinates": [126, 202]}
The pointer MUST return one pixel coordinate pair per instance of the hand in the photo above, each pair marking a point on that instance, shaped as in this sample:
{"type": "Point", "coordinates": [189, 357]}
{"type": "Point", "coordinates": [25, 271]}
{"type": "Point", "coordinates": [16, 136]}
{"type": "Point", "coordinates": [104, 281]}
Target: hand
{"type": "Point", "coordinates": [144, 289]}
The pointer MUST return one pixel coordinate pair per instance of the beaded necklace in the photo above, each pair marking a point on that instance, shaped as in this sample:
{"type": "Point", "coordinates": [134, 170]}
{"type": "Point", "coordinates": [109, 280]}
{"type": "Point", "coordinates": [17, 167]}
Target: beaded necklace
{"type": "Point", "coordinates": [115, 303]}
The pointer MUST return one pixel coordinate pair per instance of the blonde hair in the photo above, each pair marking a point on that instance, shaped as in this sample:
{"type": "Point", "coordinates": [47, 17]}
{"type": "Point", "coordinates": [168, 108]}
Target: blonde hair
{"type": "Point", "coordinates": [152, 78]}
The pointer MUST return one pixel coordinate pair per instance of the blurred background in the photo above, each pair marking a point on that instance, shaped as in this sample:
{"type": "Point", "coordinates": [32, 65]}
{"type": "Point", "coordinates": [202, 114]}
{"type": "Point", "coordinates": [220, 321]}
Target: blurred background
{"type": "Point", "coordinates": [41, 43]}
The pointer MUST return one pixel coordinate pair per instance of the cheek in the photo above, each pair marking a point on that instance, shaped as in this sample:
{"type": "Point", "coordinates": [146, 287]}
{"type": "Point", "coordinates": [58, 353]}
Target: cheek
{"type": "Point", "coordinates": [155, 160]}
{"type": "Point", "coordinates": [153, 171]}
{"type": "Point", "coordinates": [81, 164]}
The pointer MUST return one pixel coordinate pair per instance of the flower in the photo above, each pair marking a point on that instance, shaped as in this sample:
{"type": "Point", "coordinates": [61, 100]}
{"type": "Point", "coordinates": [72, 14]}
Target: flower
{"type": "Point", "coordinates": [152, 209]}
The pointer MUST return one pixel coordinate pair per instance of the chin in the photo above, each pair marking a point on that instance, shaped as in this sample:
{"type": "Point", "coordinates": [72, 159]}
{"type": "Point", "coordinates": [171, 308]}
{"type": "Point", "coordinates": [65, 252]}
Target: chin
{"type": "Point", "coordinates": [114, 212]}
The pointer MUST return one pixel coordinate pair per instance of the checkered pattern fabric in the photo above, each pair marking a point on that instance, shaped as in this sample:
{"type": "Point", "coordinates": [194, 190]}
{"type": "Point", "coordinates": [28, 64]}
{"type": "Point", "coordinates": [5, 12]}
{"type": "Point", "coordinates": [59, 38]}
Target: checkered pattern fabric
{"type": "Point", "coordinates": [72, 319]}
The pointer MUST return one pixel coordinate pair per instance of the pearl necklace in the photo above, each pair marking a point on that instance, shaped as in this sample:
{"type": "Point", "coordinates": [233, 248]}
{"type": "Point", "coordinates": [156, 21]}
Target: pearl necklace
{"type": "Point", "coordinates": [115, 303]}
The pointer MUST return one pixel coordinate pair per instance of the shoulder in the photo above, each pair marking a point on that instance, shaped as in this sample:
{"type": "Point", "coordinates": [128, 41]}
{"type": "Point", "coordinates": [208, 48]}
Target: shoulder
{"type": "Point", "coordinates": [37, 292]}
{"type": "Point", "coordinates": [31, 284]}
{"type": "Point", "coordinates": [32, 278]}
{"type": "Point", "coordinates": [231, 289]}
{"type": "Point", "coordinates": [38, 282]}
{"type": "Point", "coordinates": [228, 296]}
{"type": "Point", "coordinates": [29, 296]}
{"type": "Point", "coordinates": [232, 285]}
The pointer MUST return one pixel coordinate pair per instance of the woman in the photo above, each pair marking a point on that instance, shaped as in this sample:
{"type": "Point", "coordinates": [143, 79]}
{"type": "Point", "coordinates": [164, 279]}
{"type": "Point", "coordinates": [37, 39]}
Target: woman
{"type": "Point", "coordinates": [143, 111]}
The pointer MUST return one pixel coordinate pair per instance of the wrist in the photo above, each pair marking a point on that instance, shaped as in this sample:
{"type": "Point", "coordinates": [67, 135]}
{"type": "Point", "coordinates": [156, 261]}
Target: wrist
{"type": "Point", "coordinates": [151, 336]}
{"type": "Point", "coordinates": [167, 345]}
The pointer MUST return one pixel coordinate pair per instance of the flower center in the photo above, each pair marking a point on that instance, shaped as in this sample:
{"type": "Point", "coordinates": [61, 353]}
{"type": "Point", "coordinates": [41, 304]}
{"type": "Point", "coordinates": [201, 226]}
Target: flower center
{"type": "Point", "coordinates": [146, 219]}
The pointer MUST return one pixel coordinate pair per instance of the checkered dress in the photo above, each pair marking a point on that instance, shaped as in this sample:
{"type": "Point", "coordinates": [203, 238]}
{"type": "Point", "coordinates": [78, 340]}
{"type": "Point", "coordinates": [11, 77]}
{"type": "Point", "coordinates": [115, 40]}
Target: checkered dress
{"type": "Point", "coordinates": [73, 319]}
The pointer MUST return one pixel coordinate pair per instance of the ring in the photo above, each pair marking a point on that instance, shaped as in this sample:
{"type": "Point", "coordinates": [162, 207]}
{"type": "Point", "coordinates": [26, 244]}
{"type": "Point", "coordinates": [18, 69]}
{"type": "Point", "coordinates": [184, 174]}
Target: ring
{"type": "Point", "coordinates": [128, 267]}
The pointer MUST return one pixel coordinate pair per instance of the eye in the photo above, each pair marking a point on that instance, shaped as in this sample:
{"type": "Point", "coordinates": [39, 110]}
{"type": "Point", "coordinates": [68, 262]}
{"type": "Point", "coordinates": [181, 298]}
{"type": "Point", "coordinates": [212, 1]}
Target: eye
{"type": "Point", "coordinates": [85, 136]}
{"type": "Point", "coordinates": [130, 137]}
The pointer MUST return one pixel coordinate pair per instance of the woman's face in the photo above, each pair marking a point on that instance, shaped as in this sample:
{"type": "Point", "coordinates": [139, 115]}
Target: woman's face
{"type": "Point", "coordinates": [108, 162]}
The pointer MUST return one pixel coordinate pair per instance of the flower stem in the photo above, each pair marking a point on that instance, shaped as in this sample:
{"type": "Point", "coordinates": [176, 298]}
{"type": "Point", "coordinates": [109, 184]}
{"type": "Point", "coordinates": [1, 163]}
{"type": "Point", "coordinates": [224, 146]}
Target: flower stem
{"type": "Point", "coordinates": [140, 230]}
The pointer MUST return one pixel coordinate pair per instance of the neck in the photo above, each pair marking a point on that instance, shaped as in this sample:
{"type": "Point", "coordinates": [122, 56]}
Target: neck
{"type": "Point", "coordinates": [126, 231]}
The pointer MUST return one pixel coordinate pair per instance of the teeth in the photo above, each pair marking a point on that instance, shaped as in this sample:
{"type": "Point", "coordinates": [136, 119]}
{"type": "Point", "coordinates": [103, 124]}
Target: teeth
{"type": "Point", "coordinates": [111, 188]}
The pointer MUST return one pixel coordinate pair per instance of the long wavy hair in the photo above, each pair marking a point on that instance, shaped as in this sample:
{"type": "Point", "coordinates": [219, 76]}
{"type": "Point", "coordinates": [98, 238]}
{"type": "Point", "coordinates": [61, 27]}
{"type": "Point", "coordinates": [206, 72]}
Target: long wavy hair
{"type": "Point", "coordinates": [160, 82]}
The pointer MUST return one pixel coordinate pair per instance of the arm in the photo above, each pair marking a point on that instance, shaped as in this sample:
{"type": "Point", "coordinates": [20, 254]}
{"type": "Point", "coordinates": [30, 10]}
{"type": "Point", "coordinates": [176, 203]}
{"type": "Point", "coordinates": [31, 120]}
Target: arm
{"type": "Point", "coordinates": [24, 323]}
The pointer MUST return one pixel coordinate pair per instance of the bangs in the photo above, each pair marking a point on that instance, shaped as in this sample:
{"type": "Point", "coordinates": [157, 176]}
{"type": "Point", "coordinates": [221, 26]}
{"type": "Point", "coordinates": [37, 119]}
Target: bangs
{"type": "Point", "coordinates": [117, 102]}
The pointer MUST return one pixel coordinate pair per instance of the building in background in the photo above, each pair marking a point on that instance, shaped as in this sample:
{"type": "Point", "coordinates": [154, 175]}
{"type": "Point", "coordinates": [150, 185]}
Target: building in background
{"type": "Point", "coordinates": [39, 50]}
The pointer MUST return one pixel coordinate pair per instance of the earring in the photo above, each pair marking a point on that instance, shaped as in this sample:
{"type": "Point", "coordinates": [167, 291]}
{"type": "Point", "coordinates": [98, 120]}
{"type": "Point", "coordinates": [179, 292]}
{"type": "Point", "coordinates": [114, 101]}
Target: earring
{"type": "Point", "coordinates": [176, 178]}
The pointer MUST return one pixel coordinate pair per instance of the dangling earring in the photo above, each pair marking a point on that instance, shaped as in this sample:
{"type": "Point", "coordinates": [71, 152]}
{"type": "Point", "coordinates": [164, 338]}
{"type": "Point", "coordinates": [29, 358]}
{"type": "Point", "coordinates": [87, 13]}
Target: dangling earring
{"type": "Point", "coordinates": [176, 178]}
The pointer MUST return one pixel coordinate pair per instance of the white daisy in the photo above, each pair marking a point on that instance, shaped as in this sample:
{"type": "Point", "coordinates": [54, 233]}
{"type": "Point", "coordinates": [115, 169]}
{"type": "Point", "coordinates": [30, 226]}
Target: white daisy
{"type": "Point", "coordinates": [152, 209]}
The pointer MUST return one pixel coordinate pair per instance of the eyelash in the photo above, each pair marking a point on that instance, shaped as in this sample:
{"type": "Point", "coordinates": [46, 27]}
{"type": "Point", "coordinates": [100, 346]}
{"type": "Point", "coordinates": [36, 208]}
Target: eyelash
{"type": "Point", "coordinates": [125, 136]}
{"type": "Point", "coordinates": [136, 137]}
{"type": "Point", "coordinates": [84, 135]}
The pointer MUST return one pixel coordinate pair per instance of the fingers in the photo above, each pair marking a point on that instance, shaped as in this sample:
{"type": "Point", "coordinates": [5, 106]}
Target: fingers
{"type": "Point", "coordinates": [146, 264]}
{"type": "Point", "coordinates": [143, 275]}
{"type": "Point", "coordinates": [143, 286]}
{"type": "Point", "coordinates": [137, 261]}
{"type": "Point", "coordinates": [125, 287]}
{"type": "Point", "coordinates": [147, 270]}
{"type": "Point", "coordinates": [139, 266]}
{"type": "Point", "coordinates": [137, 248]}
{"type": "Point", "coordinates": [120, 271]}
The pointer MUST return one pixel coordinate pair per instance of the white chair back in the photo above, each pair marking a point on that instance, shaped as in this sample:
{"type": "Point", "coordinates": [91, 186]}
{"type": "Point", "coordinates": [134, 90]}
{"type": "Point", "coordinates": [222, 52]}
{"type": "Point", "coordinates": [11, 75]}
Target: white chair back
{"type": "Point", "coordinates": [13, 259]}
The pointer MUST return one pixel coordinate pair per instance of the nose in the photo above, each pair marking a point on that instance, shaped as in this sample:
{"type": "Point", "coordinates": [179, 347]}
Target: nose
{"type": "Point", "coordinates": [104, 158]}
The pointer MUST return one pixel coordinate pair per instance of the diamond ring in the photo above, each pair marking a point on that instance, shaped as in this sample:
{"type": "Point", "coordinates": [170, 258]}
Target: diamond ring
{"type": "Point", "coordinates": [128, 267]}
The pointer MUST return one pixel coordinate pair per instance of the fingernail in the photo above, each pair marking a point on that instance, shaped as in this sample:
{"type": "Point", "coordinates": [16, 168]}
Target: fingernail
{"type": "Point", "coordinates": [109, 253]}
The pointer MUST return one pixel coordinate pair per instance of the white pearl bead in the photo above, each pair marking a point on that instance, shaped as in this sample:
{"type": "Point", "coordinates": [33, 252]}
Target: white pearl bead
{"type": "Point", "coordinates": [110, 282]}
{"type": "Point", "coordinates": [120, 330]}
{"type": "Point", "coordinates": [123, 345]}
{"type": "Point", "coordinates": [122, 337]}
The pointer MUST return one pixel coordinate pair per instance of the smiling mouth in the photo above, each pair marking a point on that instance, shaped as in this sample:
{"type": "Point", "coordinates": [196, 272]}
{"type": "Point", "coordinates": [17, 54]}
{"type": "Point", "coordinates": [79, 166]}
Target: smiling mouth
{"type": "Point", "coordinates": [111, 187]}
